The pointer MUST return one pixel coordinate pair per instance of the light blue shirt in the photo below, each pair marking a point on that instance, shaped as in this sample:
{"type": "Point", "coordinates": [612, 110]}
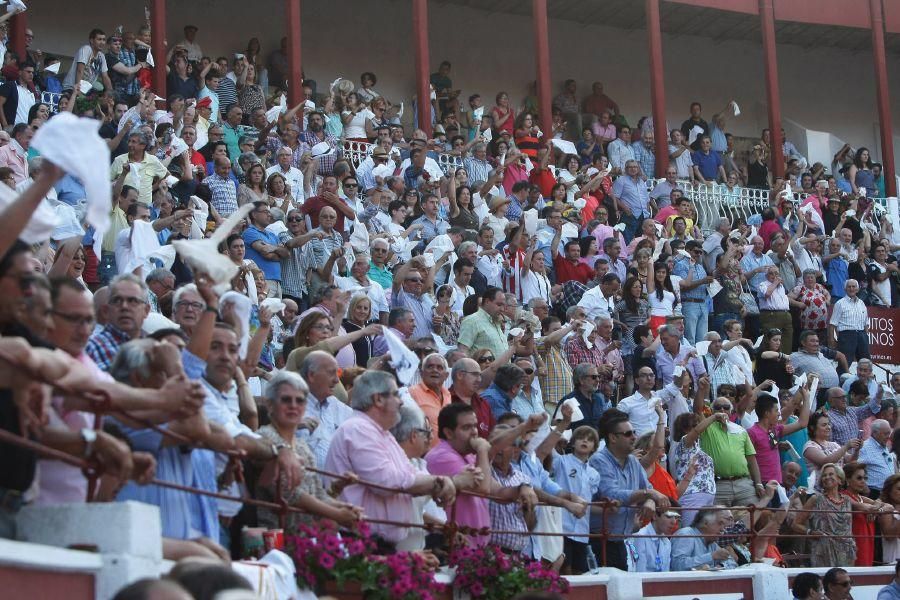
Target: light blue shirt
{"type": "Point", "coordinates": [532, 468]}
{"type": "Point", "coordinates": [879, 462]}
{"type": "Point", "coordinates": [890, 592]}
{"type": "Point", "coordinates": [633, 194]}
{"type": "Point", "coordinates": [330, 413]}
{"type": "Point", "coordinates": [617, 482]}
{"type": "Point", "coordinates": [648, 555]}
{"type": "Point", "coordinates": [580, 478]}
{"type": "Point", "coordinates": [872, 386]}
{"type": "Point", "coordinates": [690, 552]}
{"type": "Point", "coordinates": [682, 267]}
{"type": "Point", "coordinates": [750, 262]}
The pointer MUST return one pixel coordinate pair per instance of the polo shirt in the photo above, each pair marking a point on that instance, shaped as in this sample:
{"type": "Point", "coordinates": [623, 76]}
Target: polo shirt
{"type": "Point", "coordinates": [431, 404]}
{"type": "Point", "coordinates": [566, 271]}
{"type": "Point", "coordinates": [729, 448]}
{"type": "Point", "coordinates": [382, 276]}
{"type": "Point", "coordinates": [708, 164]}
{"type": "Point", "coordinates": [498, 400]}
{"type": "Point", "coordinates": [767, 455]}
{"type": "Point", "coordinates": [617, 482]}
{"type": "Point", "coordinates": [471, 511]}
{"type": "Point", "coordinates": [314, 205]}
{"type": "Point", "coordinates": [271, 268]}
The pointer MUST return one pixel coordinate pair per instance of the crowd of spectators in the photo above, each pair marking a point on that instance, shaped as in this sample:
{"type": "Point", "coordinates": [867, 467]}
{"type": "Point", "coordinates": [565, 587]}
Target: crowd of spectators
{"type": "Point", "coordinates": [478, 318]}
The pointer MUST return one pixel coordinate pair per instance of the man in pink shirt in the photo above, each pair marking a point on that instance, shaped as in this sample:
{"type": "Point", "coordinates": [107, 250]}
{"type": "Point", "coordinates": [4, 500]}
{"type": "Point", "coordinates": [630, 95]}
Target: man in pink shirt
{"type": "Point", "coordinates": [768, 431]}
{"type": "Point", "coordinates": [363, 445]}
{"type": "Point", "coordinates": [462, 452]}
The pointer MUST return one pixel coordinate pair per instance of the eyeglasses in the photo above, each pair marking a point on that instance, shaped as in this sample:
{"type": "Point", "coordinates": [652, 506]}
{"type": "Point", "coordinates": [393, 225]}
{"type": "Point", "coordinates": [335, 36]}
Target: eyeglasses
{"type": "Point", "coordinates": [426, 432]}
{"type": "Point", "coordinates": [721, 407]}
{"type": "Point", "coordinates": [129, 300]}
{"type": "Point", "coordinates": [425, 351]}
{"type": "Point", "coordinates": [413, 280]}
{"type": "Point", "coordinates": [75, 319]}
{"type": "Point", "coordinates": [351, 185]}
{"type": "Point", "coordinates": [191, 305]}
{"type": "Point", "coordinates": [593, 376]}
{"type": "Point", "coordinates": [486, 359]}
{"type": "Point", "coordinates": [323, 327]}
{"type": "Point", "coordinates": [298, 400]}
{"type": "Point", "coordinates": [327, 217]}
{"type": "Point", "coordinates": [847, 583]}
{"type": "Point", "coordinates": [478, 373]}
{"type": "Point", "coordinates": [647, 375]}
{"type": "Point", "coordinates": [630, 433]}
{"type": "Point", "coordinates": [295, 219]}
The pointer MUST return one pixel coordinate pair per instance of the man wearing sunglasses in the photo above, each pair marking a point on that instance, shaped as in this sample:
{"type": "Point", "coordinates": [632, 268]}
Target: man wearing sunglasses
{"type": "Point", "coordinates": [837, 584]}
{"type": "Point", "coordinates": [738, 480]}
{"type": "Point", "coordinates": [622, 479]}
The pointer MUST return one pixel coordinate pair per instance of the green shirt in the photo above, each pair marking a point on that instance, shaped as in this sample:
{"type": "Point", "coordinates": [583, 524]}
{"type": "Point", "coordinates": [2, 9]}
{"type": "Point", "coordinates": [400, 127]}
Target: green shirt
{"type": "Point", "coordinates": [729, 451]}
{"type": "Point", "coordinates": [232, 137]}
{"type": "Point", "coordinates": [382, 276]}
{"type": "Point", "coordinates": [479, 331]}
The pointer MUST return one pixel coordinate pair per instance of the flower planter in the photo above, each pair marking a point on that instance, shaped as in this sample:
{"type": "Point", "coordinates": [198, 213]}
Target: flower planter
{"type": "Point", "coordinates": [351, 591]}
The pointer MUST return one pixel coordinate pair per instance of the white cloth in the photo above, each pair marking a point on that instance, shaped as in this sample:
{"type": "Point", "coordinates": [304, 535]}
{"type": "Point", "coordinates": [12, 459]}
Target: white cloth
{"type": "Point", "coordinates": [74, 144]}
{"type": "Point", "coordinates": [372, 290]}
{"type": "Point", "coordinates": [242, 309]}
{"type": "Point", "coordinates": [43, 220]}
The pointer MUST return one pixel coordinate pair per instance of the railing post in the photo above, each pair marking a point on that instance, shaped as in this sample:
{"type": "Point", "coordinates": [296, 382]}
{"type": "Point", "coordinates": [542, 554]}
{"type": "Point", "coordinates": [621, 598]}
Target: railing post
{"type": "Point", "coordinates": [604, 533]}
{"type": "Point", "coordinates": [752, 532]}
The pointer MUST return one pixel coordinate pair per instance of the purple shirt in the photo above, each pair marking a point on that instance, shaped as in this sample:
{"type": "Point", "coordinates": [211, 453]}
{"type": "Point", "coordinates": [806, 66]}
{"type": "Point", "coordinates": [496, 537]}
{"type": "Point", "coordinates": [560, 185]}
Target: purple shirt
{"type": "Point", "coordinates": [364, 447]}
{"type": "Point", "coordinates": [767, 456]}
{"type": "Point", "coordinates": [471, 511]}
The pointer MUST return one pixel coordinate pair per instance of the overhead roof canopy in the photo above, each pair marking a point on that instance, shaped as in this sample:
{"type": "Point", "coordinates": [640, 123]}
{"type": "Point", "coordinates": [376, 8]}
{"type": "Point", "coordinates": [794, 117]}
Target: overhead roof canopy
{"type": "Point", "coordinates": [678, 18]}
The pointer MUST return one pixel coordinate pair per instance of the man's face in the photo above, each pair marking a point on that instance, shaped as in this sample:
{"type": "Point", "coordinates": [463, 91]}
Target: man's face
{"type": "Point", "coordinates": [316, 123]}
{"type": "Point", "coordinates": [222, 359]}
{"type": "Point", "coordinates": [613, 250]}
{"type": "Point", "coordinates": [851, 288]}
{"type": "Point", "coordinates": [846, 236]}
{"type": "Point", "coordinates": [430, 207]}
{"type": "Point", "coordinates": [789, 474]}
{"type": "Point", "coordinates": [669, 342]}
{"type": "Point", "coordinates": [623, 438]}
{"type": "Point", "coordinates": [98, 42]}
{"type": "Point", "coordinates": [222, 167]}
{"type": "Point", "coordinates": [625, 134]}
{"type": "Point", "coordinates": [493, 305]}
{"type": "Point", "coordinates": [127, 307]}
{"type": "Point", "coordinates": [407, 324]}
{"type": "Point", "coordinates": [604, 329]}
{"type": "Point", "coordinates": [840, 589]}
{"type": "Point", "coordinates": [234, 116]}
{"type": "Point", "coordinates": [327, 219]}
{"type": "Point", "coordinates": [413, 283]}
{"type": "Point", "coordinates": [466, 430]}
{"type": "Point", "coordinates": [705, 144]}
{"type": "Point", "coordinates": [811, 344]}
{"type": "Point", "coordinates": [837, 399]}
{"type": "Point", "coordinates": [434, 373]}
{"type": "Point", "coordinates": [142, 214]}
{"type": "Point", "coordinates": [188, 309]}
{"type": "Point", "coordinates": [464, 276]}
{"type": "Point", "coordinates": [695, 111]}
{"type": "Point", "coordinates": [262, 216]}
{"type": "Point", "coordinates": [573, 252]}
{"type": "Point", "coordinates": [864, 371]}
{"type": "Point", "coordinates": [324, 378]}
{"type": "Point", "coordinates": [26, 74]}
{"type": "Point", "coordinates": [73, 321]}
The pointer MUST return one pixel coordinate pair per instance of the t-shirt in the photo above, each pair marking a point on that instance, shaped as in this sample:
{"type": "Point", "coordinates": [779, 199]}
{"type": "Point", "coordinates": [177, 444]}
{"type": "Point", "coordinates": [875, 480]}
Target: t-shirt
{"type": "Point", "coordinates": [566, 271]}
{"type": "Point", "coordinates": [94, 66]}
{"type": "Point", "coordinates": [767, 456]}
{"type": "Point", "coordinates": [270, 268]}
{"type": "Point", "coordinates": [314, 205]}
{"type": "Point", "coordinates": [729, 448]}
{"type": "Point", "coordinates": [707, 164]}
{"type": "Point", "coordinates": [471, 511]}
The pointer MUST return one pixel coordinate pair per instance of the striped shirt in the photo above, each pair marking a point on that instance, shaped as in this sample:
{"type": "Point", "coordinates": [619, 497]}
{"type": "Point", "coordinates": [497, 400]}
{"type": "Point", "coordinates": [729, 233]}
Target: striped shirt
{"type": "Point", "coordinates": [509, 517]}
{"type": "Point", "coordinates": [293, 276]}
{"type": "Point", "coordinates": [849, 314]}
{"type": "Point", "coordinates": [315, 255]}
{"type": "Point", "coordinates": [227, 93]}
{"type": "Point", "coordinates": [880, 462]}
{"type": "Point", "coordinates": [325, 161]}
{"type": "Point", "coordinates": [478, 170]}
{"type": "Point", "coordinates": [681, 269]}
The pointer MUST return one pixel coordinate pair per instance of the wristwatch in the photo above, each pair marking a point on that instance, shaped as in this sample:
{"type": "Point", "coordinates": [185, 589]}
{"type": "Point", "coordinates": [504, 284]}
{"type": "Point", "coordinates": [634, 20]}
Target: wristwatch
{"type": "Point", "coordinates": [89, 436]}
{"type": "Point", "coordinates": [276, 448]}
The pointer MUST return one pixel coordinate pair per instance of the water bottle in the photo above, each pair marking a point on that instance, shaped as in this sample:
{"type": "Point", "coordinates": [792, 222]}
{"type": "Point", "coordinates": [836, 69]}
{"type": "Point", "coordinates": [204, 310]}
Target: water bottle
{"type": "Point", "coordinates": [593, 567]}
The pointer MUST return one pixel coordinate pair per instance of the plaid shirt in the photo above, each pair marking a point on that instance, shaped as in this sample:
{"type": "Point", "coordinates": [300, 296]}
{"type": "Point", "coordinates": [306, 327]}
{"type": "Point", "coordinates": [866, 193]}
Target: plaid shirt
{"type": "Point", "coordinates": [104, 345]}
{"type": "Point", "coordinates": [224, 194]}
{"type": "Point", "coordinates": [293, 275]}
{"type": "Point", "coordinates": [326, 161]}
{"type": "Point", "coordinates": [577, 352]}
{"type": "Point", "coordinates": [274, 143]}
{"type": "Point", "coordinates": [509, 517]}
{"type": "Point", "coordinates": [126, 86]}
{"type": "Point", "coordinates": [845, 426]}
{"type": "Point", "coordinates": [558, 380]}
{"type": "Point", "coordinates": [315, 255]}
{"type": "Point", "coordinates": [645, 158]}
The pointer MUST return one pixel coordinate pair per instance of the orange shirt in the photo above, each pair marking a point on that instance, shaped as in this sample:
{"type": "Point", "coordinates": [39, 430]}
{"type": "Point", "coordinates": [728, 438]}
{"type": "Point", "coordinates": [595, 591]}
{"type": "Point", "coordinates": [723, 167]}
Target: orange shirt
{"type": "Point", "coordinates": [663, 483]}
{"type": "Point", "coordinates": [431, 404]}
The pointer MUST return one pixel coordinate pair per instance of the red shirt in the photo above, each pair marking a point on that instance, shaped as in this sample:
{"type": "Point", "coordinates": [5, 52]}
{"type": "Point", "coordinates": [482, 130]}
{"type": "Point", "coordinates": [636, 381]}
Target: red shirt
{"type": "Point", "coordinates": [767, 230]}
{"type": "Point", "coordinates": [483, 413]}
{"type": "Point", "coordinates": [197, 160]}
{"type": "Point", "coordinates": [566, 271]}
{"type": "Point", "coordinates": [313, 206]}
{"type": "Point", "coordinates": [544, 179]}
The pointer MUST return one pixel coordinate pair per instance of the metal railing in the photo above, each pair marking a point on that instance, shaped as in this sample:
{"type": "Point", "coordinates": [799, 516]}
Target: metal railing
{"type": "Point", "coordinates": [52, 100]}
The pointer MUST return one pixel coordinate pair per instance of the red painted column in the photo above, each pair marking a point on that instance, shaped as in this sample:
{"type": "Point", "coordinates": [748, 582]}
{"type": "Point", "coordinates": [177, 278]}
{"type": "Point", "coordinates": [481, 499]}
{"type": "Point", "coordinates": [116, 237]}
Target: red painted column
{"type": "Point", "coordinates": [657, 88]}
{"type": "Point", "coordinates": [773, 96]}
{"type": "Point", "coordinates": [423, 91]}
{"type": "Point", "coordinates": [17, 33]}
{"type": "Point", "coordinates": [158, 45]}
{"type": "Point", "coordinates": [884, 106]}
{"type": "Point", "coordinates": [294, 52]}
{"type": "Point", "coordinates": [542, 63]}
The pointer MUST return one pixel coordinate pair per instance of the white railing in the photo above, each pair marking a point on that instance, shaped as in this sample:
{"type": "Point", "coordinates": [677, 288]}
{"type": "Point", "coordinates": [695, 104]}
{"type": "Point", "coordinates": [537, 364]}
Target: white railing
{"type": "Point", "coordinates": [357, 152]}
{"type": "Point", "coordinates": [51, 100]}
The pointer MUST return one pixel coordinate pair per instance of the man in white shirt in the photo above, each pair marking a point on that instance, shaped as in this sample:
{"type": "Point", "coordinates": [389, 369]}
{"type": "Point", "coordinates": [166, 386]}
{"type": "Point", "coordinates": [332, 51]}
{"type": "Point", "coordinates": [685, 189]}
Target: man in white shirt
{"type": "Point", "coordinates": [620, 150]}
{"type": "Point", "coordinates": [641, 407]}
{"type": "Point", "coordinates": [462, 274]}
{"type": "Point", "coordinates": [849, 319]}
{"type": "Point", "coordinates": [359, 283]}
{"type": "Point", "coordinates": [808, 254]}
{"type": "Point", "coordinates": [194, 52]}
{"type": "Point", "coordinates": [601, 300]}
{"type": "Point", "coordinates": [324, 412]}
{"type": "Point", "coordinates": [292, 175]}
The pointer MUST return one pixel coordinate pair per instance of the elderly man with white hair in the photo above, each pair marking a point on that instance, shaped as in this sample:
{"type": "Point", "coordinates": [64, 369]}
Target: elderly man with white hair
{"type": "Point", "coordinates": [324, 412]}
{"type": "Point", "coordinates": [880, 462]}
{"type": "Point", "coordinates": [363, 445]}
{"type": "Point", "coordinates": [849, 318]}
{"type": "Point", "coordinates": [431, 395]}
{"type": "Point", "coordinates": [414, 434]}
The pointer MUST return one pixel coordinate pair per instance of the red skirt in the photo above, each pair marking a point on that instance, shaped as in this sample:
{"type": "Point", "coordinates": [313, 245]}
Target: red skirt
{"type": "Point", "coordinates": [655, 323]}
{"type": "Point", "coordinates": [90, 274]}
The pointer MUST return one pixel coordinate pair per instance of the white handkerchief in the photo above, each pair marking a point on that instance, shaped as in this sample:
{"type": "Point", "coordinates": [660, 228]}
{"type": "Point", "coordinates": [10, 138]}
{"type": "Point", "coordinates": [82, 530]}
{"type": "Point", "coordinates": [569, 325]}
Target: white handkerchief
{"type": "Point", "coordinates": [359, 237]}
{"type": "Point", "coordinates": [310, 105]}
{"type": "Point", "coordinates": [677, 371]}
{"type": "Point", "coordinates": [400, 112]}
{"type": "Point", "coordinates": [683, 252]}
{"type": "Point", "coordinates": [203, 255]}
{"type": "Point", "coordinates": [403, 360]}
{"type": "Point", "coordinates": [382, 171]}
{"type": "Point", "coordinates": [334, 83]}
{"type": "Point", "coordinates": [737, 109]}
{"type": "Point", "coordinates": [150, 60]}
{"type": "Point", "coordinates": [862, 192]}
{"type": "Point", "coordinates": [54, 68]}
{"type": "Point", "coordinates": [813, 387]}
{"type": "Point", "coordinates": [758, 341]}
{"type": "Point", "coordinates": [478, 114]}
{"type": "Point", "coordinates": [428, 257]}
{"type": "Point", "coordinates": [158, 99]}
{"type": "Point", "coordinates": [242, 309]}
{"type": "Point", "coordinates": [273, 304]}
{"type": "Point", "coordinates": [588, 328]}
{"type": "Point", "coordinates": [569, 230]}
{"type": "Point", "coordinates": [713, 288]}
{"type": "Point", "coordinates": [660, 244]}
{"type": "Point", "coordinates": [74, 145]}
{"type": "Point", "coordinates": [620, 227]}
{"type": "Point", "coordinates": [577, 415]}
{"type": "Point", "coordinates": [16, 6]}
{"type": "Point", "coordinates": [178, 147]}
{"type": "Point", "coordinates": [565, 146]}
{"type": "Point", "coordinates": [278, 227]}
{"type": "Point", "coordinates": [531, 219]}
{"type": "Point", "coordinates": [155, 321]}
{"type": "Point", "coordinates": [85, 86]}
{"type": "Point", "coordinates": [567, 435]}
{"type": "Point", "coordinates": [43, 219]}
{"type": "Point", "coordinates": [516, 331]}
{"type": "Point", "coordinates": [145, 246]}
{"type": "Point", "coordinates": [734, 428]}
{"type": "Point", "coordinates": [581, 203]}
{"type": "Point", "coordinates": [702, 348]}
{"type": "Point", "coordinates": [171, 180]}
{"type": "Point", "coordinates": [695, 131]}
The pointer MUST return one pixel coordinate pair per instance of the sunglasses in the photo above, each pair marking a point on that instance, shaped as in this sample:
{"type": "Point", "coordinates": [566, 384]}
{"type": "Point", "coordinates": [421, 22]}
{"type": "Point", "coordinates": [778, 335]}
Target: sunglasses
{"type": "Point", "coordinates": [592, 376]}
{"type": "Point", "coordinates": [292, 400]}
{"type": "Point", "coordinates": [721, 407]}
{"type": "Point", "coordinates": [486, 359]}
{"type": "Point", "coordinates": [295, 219]}
{"type": "Point", "coordinates": [629, 434]}
{"type": "Point", "coordinates": [350, 185]}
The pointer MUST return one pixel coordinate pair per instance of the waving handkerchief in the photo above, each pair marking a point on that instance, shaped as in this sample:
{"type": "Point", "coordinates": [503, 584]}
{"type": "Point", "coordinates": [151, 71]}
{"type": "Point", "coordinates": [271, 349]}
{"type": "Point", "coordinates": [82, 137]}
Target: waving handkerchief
{"type": "Point", "coordinates": [43, 219]}
{"type": "Point", "coordinates": [203, 255]}
{"type": "Point", "coordinates": [74, 145]}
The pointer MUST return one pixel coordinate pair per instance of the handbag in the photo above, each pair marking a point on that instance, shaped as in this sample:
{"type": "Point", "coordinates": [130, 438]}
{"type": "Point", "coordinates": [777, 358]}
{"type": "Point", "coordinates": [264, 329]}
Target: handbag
{"type": "Point", "coordinates": [748, 300]}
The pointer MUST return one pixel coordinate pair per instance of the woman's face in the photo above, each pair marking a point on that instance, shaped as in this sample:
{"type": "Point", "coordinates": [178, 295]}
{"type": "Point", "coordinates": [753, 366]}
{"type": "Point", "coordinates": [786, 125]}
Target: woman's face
{"type": "Point", "coordinates": [322, 330]}
{"type": "Point", "coordinates": [864, 156]}
{"type": "Point", "coordinates": [660, 275]}
{"type": "Point", "coordinates": [643, 258]}
{"type": "Point", "coordinates": [278, 186]}
{"type": "Point", "coordinates": [636, 289]}
{"type": "Point", "coordinates": [399, 215]}
{"type": "Point", "coordinates": [574, 165]}
{"type": "Point", "coordinates": [880, 253]}
{"type": "Point", "coordinates": [528, 121]}
{"type": "Point", "coordinates": [823, 428]}
{"type": "Point", "coordinates": [237, 250]}
{"type": "Point", "coordinates": [465, 196]}
{"type": "Point", "coordinates": [809, 280]}
{"type": "Point", "coordinates": [461, 176]}
{"type": "Point", "coordinates": [829, 478]}
{"type": "Point", "coordinates": [857, 483]}
{"type": "Point", "coordinates": [251, 73]}
{"type": "Point", "coordinates": [76, 267]}
{"type": "Point", "coordinates": [594, 247]}
{"type": "Point", "coordinates": [559, 193]}
{"type": "Point", "coordinates": [43, 112]}
{"type": "Point", "coordinates": [289, 406]}
{"type": "Point", "coordinates": [502, 148]}
{"type": "Point", "coordinates": [587, 135]}
{"type": "Point", "coordinates": [361, 311]}
{"type": "Point", "coordinates": [775, 343]}
{"type": "Point", "coordinates": [256, 174]}
{"type": "Point", "coordinates": [894, 493]}
{"type": "Point", "coordinates": [503, 100]}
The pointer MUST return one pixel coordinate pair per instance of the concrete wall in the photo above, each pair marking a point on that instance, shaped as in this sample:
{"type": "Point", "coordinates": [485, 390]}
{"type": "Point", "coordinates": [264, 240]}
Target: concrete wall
{"type": "Point", "coordinates": [823, 89]}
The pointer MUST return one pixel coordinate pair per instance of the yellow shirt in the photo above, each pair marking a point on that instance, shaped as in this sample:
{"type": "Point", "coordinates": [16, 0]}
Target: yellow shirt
{"type": "Point", "coordinates": [147, 170]}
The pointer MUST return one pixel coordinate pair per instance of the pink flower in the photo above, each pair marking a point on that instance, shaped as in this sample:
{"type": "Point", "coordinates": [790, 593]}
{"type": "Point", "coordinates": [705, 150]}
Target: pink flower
{"type": "Point", "coordinates": [326, 561]}
{"type": "Point", "coordinates": [477, 590]}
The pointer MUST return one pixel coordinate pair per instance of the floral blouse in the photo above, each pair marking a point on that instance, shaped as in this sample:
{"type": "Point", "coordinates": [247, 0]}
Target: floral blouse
{"type": "Point", "coordinates": [704, 480]}
{"type": "Point", "coordinates": [815, 313]}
